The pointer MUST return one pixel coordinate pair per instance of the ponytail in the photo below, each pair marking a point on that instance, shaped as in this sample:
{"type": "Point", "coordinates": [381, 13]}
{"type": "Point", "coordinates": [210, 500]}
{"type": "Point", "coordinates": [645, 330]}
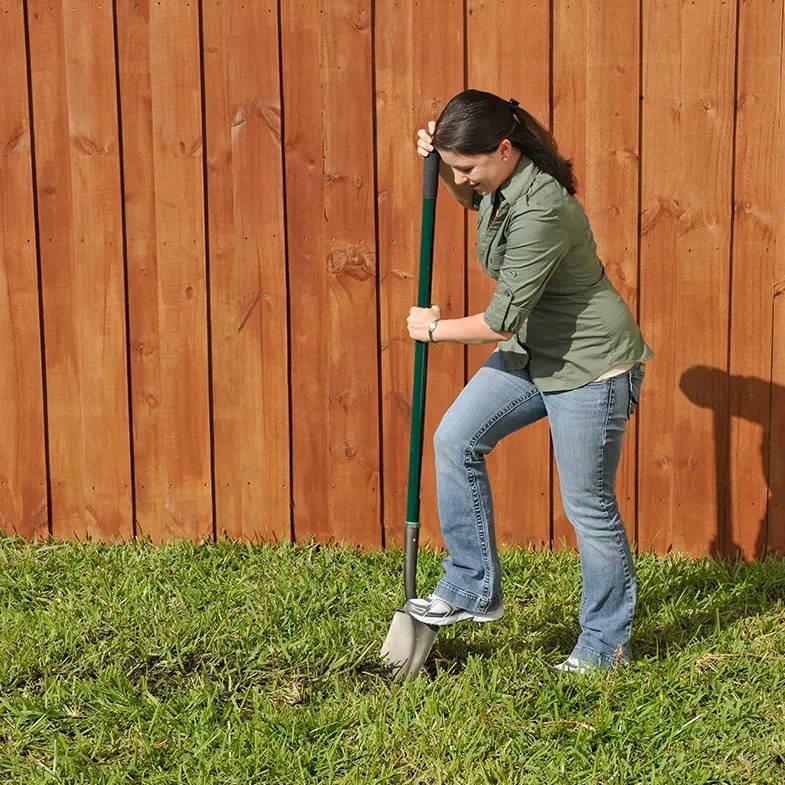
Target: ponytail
{"type": "Point", "coordinates": [476, 122]}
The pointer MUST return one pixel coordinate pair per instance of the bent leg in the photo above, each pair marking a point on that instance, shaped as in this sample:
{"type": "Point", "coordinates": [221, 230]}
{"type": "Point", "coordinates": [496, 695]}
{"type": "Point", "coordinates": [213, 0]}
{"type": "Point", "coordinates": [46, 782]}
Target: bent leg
{"type": "Point", "coordinates": [493, 404]}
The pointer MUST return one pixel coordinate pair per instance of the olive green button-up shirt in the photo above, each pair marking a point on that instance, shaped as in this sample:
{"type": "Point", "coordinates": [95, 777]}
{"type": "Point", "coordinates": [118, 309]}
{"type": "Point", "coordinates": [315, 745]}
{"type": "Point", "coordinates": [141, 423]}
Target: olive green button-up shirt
{"type": "Point", "coordinates": [570, 324]}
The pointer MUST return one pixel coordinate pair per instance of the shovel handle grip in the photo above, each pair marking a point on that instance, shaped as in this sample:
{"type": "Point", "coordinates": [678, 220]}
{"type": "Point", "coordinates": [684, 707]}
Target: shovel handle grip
{"type": "Point", "coordinates": [430, 178]}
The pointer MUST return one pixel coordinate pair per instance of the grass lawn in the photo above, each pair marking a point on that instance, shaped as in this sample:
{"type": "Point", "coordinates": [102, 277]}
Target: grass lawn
{"type": "Point", "coordinates": [230, 663]}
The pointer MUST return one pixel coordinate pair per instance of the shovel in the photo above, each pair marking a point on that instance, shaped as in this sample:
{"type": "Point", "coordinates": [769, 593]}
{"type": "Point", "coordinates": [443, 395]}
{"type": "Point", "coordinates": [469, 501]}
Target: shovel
{"type": "Point", "coordinates": [409, 642]}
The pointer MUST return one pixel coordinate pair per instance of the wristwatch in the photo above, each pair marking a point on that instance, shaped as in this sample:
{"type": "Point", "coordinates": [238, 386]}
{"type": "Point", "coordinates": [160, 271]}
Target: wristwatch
{"type": "Point", "coordinates": [431, 328]}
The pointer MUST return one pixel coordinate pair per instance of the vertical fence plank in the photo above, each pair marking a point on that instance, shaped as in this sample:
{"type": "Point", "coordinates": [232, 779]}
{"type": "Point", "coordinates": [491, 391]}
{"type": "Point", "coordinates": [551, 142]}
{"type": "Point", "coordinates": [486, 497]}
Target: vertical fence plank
{"type": "Point", "coordinates": [247, 270]}
{"type": "Point", "coordinates": [596, 78]}
{"type": "Point", "coordinates": [512, 66]}
{"type": "Point", "coordinates": [570, 103]}
{"type": "Point", "coordinates": [23, 504]}
{"type": "Point", "coordinates": [162, 155]}
{"type": "Point", "coordinates": [689, 58]}
{"type": "Point", "coordinates": [419, 67]}
{"type": "Point", "coordinates": [328, 111]}
{"type": "Point", "coordinates": [758, 136]}
{"type": "Point", "coordinates": [775, 521]}
{"type": "Point", "coordinates": [77, 167]}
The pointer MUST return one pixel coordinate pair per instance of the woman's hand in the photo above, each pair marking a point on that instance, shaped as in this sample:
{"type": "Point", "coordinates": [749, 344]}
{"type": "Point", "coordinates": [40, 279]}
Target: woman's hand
{"type": "Point", "coordinates": [463, 193]}
{"type": "Point", "coordinates": [419, 319]}
{"type": "Point", "coordinates": [424, 146]}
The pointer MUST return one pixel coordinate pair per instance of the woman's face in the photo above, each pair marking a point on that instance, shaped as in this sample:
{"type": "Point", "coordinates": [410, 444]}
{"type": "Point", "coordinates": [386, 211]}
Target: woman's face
{"type": "Point", "coordinates": [484, 172]}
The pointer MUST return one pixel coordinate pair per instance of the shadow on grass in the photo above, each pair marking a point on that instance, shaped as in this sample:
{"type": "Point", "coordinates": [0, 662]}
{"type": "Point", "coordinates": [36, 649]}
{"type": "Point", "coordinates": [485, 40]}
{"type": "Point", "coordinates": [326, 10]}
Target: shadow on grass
{"type": "Point", "coordinates": [660, 627]}
{"type": "Point", "coordinates": [710, 583]}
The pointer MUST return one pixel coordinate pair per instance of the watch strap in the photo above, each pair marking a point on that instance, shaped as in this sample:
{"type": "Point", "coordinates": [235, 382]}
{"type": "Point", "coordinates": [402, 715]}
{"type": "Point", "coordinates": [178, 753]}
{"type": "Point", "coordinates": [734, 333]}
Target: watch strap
{"type": "Point", "coordinates": [431, 328]}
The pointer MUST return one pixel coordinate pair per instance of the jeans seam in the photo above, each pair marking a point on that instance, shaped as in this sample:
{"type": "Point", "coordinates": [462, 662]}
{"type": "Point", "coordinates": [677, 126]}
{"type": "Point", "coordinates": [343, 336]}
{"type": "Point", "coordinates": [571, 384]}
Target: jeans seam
{"type": "Point", "coordinates": [600, 479]}
{"type": "Point", "coordinates": [496, 417]}
{"type": "Point", "coordinates": [480, 523]}
{"type": "Point", "coordinates": [616, 533]}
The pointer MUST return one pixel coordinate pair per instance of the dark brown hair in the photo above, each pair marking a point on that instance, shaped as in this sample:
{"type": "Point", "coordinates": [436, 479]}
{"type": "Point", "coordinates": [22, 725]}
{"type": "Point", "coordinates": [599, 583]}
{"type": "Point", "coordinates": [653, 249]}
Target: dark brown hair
{"type": "Point", "coordinates": [476, 122]}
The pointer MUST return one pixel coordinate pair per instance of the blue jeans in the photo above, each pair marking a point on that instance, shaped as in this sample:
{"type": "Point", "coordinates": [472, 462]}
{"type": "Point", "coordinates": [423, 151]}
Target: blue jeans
{"type": "Point", "coordinates": [587, 428]}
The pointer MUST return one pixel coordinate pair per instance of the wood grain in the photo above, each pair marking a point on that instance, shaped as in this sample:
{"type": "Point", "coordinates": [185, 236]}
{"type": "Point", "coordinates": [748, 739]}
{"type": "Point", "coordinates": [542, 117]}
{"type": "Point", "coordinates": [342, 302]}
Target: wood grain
{"type": "Point", "coordinates": [775, 520]}
{"type": "Point", "coordinates": [160, 85]}
{"type": "Point", "coordinates": [248, 302]}
{"type": "Point", "coordinates": [328, 100]}
{"type": "Point", "coordinates": [81, 251]}
{"type": "Point", "coordinates": [168, 320]}
{"type": "Point", "coordinates": [687, 168]}
{"type": "Point", "coordinates": [23, 483]}
{"type": "Point", "coordinates": [756, 194]}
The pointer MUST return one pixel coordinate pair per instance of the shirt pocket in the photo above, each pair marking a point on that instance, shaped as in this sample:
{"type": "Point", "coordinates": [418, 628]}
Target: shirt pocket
{"type": "Point", "coordinates": [495, 258]}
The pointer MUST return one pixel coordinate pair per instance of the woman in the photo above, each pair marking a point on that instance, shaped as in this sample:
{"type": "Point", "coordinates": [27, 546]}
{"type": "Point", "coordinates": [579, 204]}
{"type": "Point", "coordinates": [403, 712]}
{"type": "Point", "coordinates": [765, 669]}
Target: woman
{"type": "Point", "coordinates": [569, 349]}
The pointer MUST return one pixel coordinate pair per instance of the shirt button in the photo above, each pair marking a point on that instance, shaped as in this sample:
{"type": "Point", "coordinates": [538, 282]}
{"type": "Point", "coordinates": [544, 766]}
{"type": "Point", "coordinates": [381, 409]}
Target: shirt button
{"type": "Point", "coordinates": [508, 292]}
{"type": "Point", "coordinates": [513, 274]}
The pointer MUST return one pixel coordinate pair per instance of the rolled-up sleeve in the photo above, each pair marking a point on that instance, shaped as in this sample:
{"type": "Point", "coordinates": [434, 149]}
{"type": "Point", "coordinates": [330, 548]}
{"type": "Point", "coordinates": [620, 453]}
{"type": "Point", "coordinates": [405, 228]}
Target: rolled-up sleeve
{"type": "Point", "coordinates": [536, 244]}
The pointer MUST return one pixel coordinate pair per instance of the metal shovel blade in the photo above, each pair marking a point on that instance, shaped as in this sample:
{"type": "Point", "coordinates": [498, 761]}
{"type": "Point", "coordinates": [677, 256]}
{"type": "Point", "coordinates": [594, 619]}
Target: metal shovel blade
{"type": "Point", "coordinates": [407, 645]}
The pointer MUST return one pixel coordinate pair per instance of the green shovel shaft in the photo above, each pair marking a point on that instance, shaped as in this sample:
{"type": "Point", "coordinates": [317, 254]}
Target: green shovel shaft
{"type": "Point", "coordinates": [430, 189]}
{"type": "Point", "coordinates": [420, 367]}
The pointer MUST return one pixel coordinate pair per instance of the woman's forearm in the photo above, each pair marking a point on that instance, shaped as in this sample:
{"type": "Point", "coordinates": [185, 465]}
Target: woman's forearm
{"type": "Point", "coordinates": [469, 329]}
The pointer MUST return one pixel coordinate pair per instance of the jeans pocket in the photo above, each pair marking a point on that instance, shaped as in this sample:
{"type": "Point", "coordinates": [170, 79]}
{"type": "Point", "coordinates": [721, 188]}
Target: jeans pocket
{"type": "Point", "coordinates": [635, 376]}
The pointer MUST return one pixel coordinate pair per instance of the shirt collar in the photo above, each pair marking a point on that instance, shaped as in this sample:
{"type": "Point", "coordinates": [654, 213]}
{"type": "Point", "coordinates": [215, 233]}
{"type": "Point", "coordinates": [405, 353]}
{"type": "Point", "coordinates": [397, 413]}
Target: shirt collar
{"type": "Point", "coordinates": [519, 181]}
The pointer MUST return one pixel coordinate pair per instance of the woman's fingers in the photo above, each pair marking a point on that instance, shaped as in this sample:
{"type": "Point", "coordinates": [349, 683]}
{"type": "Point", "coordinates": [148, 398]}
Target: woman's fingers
{"type": "Point", "coordinates": [424, 146]}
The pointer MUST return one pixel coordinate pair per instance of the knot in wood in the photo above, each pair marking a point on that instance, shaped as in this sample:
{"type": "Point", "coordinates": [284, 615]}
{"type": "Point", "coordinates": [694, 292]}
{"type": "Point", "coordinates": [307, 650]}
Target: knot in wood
{"type": "Point", "coordinates": [355, 260]}
{"type": "Point", "coordinates": [361, 20]}
{"type": "Point", "coordinates": [88, 146]}
{"type": "Point", "coordinates": [16, 142]}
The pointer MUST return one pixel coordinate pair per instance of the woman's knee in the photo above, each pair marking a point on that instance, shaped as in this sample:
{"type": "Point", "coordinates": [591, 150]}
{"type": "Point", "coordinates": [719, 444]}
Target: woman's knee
{"type": "Point", "coordinates": [450, 438]}
{"type": "Point", "coordinates": [586, 507]}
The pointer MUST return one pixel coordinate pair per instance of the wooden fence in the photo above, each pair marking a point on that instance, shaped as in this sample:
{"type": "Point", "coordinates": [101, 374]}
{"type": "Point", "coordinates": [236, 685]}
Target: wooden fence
{"type": "Point", "coordinates": [210, 223]}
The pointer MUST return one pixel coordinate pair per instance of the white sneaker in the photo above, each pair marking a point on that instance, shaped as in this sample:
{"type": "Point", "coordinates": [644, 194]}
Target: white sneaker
{"type": "Point", "coordinates": [441, 612]}
{"type": "Point", "coordinates": [573, 664]}
{"type": "Point", "coordinates": [420, 603]}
